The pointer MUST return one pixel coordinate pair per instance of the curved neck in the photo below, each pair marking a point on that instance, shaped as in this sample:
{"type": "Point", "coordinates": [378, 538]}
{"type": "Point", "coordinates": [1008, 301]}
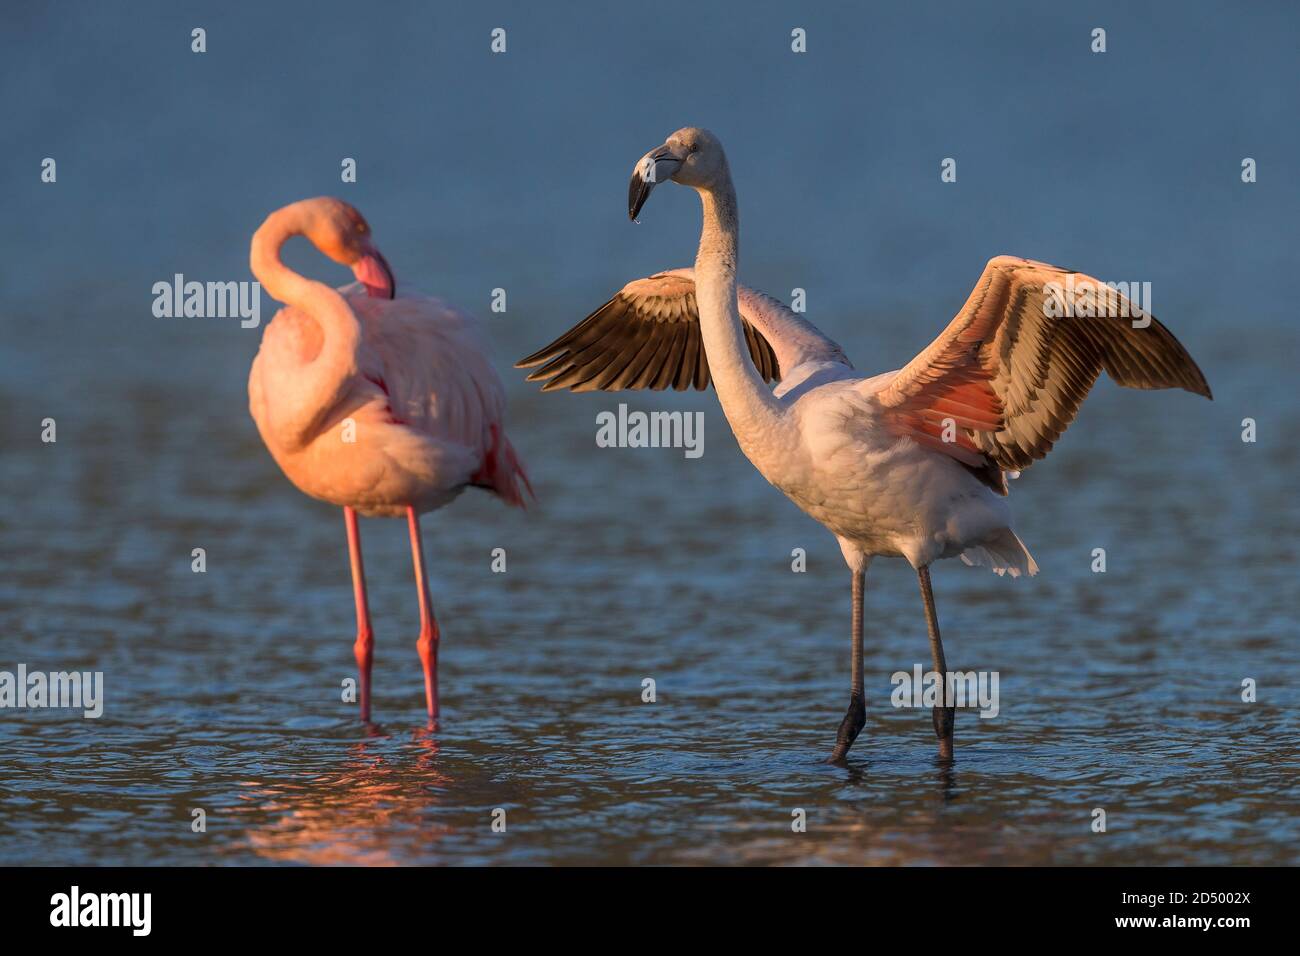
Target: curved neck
{"type": "Point", "coordinates": [316, 299]}
{"type": "Point", "coordinates": [746, 400]}
{"type": "Point", "coordinates": [303, 406]}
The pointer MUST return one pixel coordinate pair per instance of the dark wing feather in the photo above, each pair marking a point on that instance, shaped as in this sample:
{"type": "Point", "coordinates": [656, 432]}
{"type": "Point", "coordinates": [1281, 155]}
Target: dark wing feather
{"type": "Point", "coordinates": [646, 336]}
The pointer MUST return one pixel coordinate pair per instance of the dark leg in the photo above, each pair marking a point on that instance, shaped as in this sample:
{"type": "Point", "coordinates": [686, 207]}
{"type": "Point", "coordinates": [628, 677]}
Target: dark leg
{"type": "Point", "coordinates": [856, 717]}
{"type": "Point", "coordinates": [944, 714]}
{"type": "Point", "coordinates": [363, 648]}
{"type": "Point", "coordinates": [427, 645]}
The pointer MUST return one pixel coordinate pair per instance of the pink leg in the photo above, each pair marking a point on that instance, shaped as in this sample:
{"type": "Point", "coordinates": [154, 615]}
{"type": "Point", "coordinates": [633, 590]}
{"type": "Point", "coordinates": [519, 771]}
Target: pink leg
{"type": "Point", "coordinates": [365, 636]}
{"type": "Point", "coordinates": [427, 645]}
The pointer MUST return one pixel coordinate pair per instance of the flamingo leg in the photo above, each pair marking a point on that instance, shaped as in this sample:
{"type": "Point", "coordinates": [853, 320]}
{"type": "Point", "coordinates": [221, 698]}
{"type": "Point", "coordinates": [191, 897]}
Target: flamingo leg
{"type": "Point", "coordinates": [856, 716]}
{"type": "Point", "coordinates": [363, 648]}
{"type": "Point", "coordinates": [943, 716]}
{"type": "Point", "coordinates": [427, 645]}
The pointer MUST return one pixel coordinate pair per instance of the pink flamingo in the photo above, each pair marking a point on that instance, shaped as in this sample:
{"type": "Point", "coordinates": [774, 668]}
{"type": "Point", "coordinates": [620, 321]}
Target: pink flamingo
{"type": "Point", "coordinates": [385, 406]}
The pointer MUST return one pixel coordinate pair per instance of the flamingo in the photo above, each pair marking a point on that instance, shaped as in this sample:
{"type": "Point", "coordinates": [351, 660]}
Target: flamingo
{"type": "Point", "coordinates": [385, 406]}
{"type": "Point", "coordinates": [910, 463]}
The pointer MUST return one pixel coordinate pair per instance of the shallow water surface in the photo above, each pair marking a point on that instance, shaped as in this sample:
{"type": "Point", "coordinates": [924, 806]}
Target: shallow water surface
{"type": "Point", "coordinates": [1117, 690]}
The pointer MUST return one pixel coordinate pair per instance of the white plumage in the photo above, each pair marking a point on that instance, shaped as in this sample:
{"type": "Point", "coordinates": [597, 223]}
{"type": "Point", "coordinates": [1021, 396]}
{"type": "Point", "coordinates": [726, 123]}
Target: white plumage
{"type": "Point", "coordinates": [910, 463]}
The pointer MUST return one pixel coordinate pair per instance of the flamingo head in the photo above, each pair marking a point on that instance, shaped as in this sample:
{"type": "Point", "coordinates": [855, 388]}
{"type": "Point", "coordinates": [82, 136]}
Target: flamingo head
{"type": "Point", "coordinates": [691, 156]}
{"type": "Point", "coordinates": [343, 234]}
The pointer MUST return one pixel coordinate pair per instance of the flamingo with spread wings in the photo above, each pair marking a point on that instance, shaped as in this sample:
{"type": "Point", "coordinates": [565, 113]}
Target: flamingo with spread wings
{"type": "Point", "coordinates": [910, 463]}
{"type": "Point", "coordinates": [383, 405]}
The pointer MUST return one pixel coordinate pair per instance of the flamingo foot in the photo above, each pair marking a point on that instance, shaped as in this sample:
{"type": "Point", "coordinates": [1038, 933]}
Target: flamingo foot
{"type": "Point", "coordinates": [850, 727]}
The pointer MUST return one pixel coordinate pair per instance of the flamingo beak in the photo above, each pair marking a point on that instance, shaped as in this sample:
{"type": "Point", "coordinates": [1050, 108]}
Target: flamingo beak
{"type": "Point", "coordinates": [372, 271]}
{"type": "Point", "coordinates": [651, 169]}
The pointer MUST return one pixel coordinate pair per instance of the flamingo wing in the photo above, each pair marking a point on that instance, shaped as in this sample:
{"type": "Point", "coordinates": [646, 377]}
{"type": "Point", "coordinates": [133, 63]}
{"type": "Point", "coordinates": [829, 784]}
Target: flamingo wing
{"type": "Point", "coordinates": [430, 361]}
{"type": "Point", "coordinates": [1011, 370]}
{"type": "Point", "coordinates": [648, 336]}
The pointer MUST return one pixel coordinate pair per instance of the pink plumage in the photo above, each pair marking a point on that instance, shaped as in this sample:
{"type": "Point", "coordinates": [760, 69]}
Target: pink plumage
{"type": "Point", "coordinates": [416, 418]}
{"type": "Point", "coordinates": [380, 404]}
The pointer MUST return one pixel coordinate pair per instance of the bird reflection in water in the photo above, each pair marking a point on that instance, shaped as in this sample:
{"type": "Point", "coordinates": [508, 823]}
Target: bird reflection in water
{"type": "Point", "coordinates": [364, 814]}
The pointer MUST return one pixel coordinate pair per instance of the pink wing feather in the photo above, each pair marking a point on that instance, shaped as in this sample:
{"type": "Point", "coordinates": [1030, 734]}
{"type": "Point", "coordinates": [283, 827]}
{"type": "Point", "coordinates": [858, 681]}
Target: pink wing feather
{"type": "Point", "coordinates": [430, 360]}
{"type": "Point", "coordinates": [1009, 373]}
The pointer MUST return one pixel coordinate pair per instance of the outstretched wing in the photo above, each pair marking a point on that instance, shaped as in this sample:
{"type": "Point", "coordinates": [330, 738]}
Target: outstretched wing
{"type": "Point", "coordinates": [648, 336]}
{"type": "Point", "coordinates": [1011, 370]}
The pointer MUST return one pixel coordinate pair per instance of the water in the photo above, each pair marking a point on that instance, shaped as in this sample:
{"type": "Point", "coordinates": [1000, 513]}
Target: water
{"type": "Point", "coordinates": [1118, 690]}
